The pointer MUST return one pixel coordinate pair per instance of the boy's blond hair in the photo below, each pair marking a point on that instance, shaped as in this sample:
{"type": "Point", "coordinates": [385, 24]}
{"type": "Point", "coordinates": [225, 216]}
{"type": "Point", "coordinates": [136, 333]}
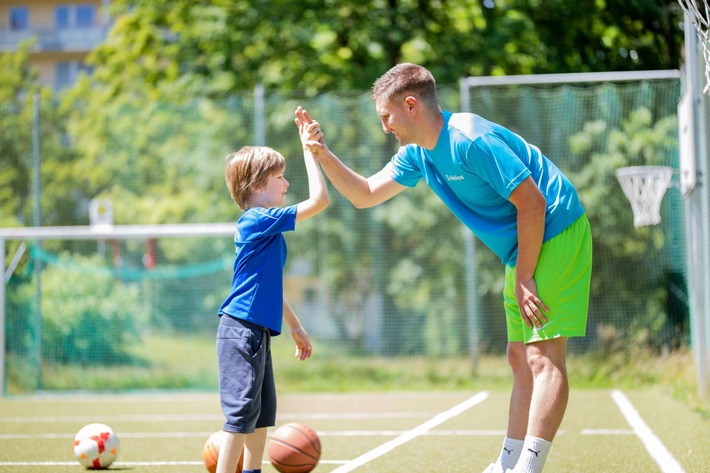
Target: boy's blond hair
{"type": "Point", "coordinates": [248, 169]}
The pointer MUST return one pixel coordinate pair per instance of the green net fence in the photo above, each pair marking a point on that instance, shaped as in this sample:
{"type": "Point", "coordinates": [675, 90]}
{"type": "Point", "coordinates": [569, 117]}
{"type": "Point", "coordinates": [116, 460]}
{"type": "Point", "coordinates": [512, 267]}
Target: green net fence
{"type": "Point", "coordinates": [399, 280]}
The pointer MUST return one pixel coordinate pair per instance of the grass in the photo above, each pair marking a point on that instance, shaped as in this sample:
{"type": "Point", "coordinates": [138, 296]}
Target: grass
{"type": "Point", "coordinates": [188, 362]}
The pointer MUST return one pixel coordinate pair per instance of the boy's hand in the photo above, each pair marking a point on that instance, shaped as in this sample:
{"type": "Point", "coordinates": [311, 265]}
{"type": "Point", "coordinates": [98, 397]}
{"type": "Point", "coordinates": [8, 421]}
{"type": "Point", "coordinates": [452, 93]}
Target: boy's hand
{"type": "Point", "coordinates": [304, 349]}
{"type": "Point", "coordinates": [310, 132]}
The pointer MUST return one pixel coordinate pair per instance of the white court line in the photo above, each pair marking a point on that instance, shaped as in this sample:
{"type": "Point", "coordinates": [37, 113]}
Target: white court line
{"type": "Point", "coordinates": [121, 435]}
{"type": "Point", "coordinates": [321, 433]}
{"type": "Point", "coordinates": [394, 433]}
{"type": "Point", "coordinates": [113, 418]}
{"type": "Point", "coordinates": [209, 417]}
{"type": "Point", "coordinates": [324, 433]}
{"type": "Point", "coordinates": [607, 432]}
{"type": "Point", "coordinates": [409, 435]}
{"type": "Point", "coordinates": [114, 464]}
{"type": "Point", "coordinates": [156, 463]}
{"type": "Point", "coordinates": [653, 444]}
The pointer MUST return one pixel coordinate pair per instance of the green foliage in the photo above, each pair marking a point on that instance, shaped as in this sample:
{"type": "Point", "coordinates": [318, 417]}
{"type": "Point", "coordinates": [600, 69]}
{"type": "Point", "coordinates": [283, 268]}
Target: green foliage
{"type": "Point", "coordinates": [16, 99]}
{"type": "Point", "coordinates": [640, 140]}
{"type": "Point", "coordinates": [585, 35]}
{"type": "Point", "coordinates": [166, 169]}
{"type": "Point", "coordinates": [61, 181]}
{"type": "Point", "coordinates": [88, 320]}
{"type": "Point", "coordinates": [180, 49]}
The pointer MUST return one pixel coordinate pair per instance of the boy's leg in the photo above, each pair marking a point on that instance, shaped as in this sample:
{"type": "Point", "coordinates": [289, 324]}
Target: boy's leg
{"type": "Point", "coordinates": [241, 364]}
{"type": "Point", "coordinates": [229, 451]}
{"type": "Point", "coordinates": [254, 446]}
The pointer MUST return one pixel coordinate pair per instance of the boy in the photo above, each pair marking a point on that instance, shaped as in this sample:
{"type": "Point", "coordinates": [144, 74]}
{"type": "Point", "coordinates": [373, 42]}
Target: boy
{"type": "Point", "coordinates": [254, 310]}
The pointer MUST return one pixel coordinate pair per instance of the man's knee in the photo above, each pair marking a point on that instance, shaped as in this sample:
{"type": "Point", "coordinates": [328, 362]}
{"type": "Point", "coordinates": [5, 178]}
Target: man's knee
{"type": "Point", "coordinates": [517, 358]}
{"type": "Point", "coordinates": [548, 356]}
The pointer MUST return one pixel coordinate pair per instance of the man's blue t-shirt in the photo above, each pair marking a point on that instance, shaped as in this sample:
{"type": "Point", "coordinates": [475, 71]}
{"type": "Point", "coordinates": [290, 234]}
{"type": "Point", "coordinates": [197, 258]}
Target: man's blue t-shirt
{"type": "Point", "coordinates": [474, 167]}
{"type": "Point", "coordinates": [257, 284]}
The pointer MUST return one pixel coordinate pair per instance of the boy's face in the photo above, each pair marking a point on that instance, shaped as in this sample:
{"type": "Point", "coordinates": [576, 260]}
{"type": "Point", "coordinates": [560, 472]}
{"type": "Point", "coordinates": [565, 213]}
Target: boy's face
{"type": "Point", "coordinates": [272, 193]}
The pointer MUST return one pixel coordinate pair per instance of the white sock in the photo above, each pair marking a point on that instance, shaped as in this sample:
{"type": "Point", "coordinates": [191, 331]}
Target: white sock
{"type": "Point", "coordinates": [510, 453]}
{"type": "Point", "coordinates": [534, 454]}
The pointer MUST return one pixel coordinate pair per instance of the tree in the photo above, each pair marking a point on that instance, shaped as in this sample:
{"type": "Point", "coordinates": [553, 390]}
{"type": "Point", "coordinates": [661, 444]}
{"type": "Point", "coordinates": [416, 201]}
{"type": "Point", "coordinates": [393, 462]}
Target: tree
{"type": "Point", "coordinates": [17, 90]}
{"type": "Point", "coordinates": [180, 49]}
{"type": "Point", "coordinates": [553, 36]}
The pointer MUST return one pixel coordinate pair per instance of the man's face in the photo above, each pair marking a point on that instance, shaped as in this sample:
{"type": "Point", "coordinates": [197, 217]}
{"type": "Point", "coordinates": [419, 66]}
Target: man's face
{"type": "Point", "coordinates": [396, 118]}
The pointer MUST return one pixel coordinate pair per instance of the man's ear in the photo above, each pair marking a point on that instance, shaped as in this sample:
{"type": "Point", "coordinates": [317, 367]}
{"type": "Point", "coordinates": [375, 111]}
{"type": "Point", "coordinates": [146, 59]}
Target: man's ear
{"type": "Point", "coordinates": [411, 102]}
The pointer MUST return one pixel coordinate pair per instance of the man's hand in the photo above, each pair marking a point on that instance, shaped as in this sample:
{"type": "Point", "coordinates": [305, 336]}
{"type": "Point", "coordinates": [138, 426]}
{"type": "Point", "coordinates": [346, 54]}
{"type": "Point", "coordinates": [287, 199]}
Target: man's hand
{"type": "Point", "coordinates": [531, 307]}
{"type": "Point", "coordinates": [311, 134]}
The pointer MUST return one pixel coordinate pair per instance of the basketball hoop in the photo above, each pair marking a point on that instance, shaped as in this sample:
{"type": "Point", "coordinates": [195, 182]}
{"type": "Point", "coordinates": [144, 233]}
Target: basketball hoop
{"type": "Point", "coordinates": [698, 11]}
{"type": "Point", "coordinates": [645, 187]}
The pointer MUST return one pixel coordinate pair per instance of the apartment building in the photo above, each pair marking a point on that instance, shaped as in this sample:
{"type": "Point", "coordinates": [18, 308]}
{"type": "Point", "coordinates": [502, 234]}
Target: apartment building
{"type": "Point", "coordinates": [65, 31]}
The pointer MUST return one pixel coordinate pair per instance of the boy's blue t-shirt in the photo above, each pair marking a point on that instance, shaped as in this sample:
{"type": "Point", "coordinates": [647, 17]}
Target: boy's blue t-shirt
{"type": "Point", "coordinates": [474, 167]}
{"type": "Point", "coordinates": [257, 284]}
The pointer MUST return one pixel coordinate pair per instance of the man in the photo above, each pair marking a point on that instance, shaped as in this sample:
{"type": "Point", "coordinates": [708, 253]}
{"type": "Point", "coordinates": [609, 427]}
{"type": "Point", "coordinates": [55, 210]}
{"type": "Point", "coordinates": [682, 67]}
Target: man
{"type": "Point", "coordinates": [520, 205]}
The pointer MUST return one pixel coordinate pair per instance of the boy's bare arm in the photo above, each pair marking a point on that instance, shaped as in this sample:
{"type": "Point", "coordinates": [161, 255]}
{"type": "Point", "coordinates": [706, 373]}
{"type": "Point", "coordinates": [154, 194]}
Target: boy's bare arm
{"type": "Point", "coordinates": [304, 349]}
{"type": "Point", "coordinates": [318, 198]}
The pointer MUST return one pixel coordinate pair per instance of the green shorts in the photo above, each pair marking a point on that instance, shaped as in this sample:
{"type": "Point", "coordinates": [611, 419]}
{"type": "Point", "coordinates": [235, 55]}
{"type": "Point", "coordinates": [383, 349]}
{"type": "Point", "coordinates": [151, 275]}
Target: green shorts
{"type": "Point", "coordinates": [563, 277]}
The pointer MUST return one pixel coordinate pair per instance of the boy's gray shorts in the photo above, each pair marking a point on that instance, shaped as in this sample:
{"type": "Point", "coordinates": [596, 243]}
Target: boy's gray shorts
{"type": "Point", "coordinates": [246, 377]}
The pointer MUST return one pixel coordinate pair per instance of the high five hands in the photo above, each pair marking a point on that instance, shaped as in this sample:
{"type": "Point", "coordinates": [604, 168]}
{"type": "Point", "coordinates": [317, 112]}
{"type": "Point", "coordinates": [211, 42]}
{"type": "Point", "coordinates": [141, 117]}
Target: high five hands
{"type": "Point", "coordinates": [311, 134]}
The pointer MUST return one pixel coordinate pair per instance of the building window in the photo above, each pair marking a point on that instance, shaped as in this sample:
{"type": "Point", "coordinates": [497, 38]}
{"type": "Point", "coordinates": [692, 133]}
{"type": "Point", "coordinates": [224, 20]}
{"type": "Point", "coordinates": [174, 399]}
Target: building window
{"type": "Point", "coordinates": [61, 17]}
{"type": "Point", "coordinates": [19, 18]}
{"type": "Point", "coordinates": [85, 16]}
{"type": "Point", "coordinates": [74, 16]}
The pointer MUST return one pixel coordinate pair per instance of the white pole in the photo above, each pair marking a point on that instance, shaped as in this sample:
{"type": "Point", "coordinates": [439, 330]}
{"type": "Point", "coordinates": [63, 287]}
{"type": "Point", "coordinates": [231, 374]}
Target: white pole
{"type": "Point", "coordinates": [697, 216]}
{"type": "Point", "coordinates": [259, 122]}
{"type": "Point", "coordinates": [470, 262]}
{"type": "Point", "coordinates": [2, 317]}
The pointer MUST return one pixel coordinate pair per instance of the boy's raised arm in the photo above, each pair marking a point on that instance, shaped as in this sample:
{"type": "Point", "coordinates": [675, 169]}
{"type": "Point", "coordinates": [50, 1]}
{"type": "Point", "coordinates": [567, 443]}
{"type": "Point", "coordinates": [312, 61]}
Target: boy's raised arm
{"type": "Point", "coordinates": [318, 198]}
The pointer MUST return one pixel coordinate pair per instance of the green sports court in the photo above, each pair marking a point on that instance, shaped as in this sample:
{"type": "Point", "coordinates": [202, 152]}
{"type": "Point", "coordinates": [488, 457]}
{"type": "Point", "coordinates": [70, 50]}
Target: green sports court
{"type": "Point", "coordinates": [453, 431]}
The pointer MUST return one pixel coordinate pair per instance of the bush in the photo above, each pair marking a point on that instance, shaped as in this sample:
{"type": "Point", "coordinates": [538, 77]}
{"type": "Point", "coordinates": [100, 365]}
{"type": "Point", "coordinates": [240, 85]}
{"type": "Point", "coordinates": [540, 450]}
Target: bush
{"type": "Point", "coordinates": [89, 317]}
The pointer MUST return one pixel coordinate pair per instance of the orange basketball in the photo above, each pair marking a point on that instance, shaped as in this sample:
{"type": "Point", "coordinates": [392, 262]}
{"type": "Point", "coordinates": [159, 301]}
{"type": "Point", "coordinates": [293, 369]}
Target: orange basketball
{"type": "Point", "coordinates": [210, 453]}
{"type": "Point", "coordinates": [294, 448]}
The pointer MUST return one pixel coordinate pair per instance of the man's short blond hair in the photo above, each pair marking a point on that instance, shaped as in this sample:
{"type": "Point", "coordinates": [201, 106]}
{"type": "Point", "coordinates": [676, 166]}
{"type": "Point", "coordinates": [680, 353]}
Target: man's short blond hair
{"type": "Point", "coordinates": [406, 79]}
{"type": "Point", "coordinates": [248, 169]}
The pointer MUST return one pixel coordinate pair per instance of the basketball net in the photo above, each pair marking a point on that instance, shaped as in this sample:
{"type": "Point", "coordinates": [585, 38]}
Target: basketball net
{"type": "Point", "coordinates": [699, 13]}
{"type": "Point", "coordinates": [645, 187]}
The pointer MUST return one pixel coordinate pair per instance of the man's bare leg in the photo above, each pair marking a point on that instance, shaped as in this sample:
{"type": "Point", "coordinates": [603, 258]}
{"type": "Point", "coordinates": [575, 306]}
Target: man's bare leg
{"type": "Point", "coordinates": [518, 410]}
{"type": "Point", "coordinates": [548, 364]}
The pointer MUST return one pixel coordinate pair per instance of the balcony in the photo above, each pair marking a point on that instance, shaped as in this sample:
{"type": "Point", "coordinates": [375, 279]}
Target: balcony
{"type": "Point", "coordinates": [54, 40]}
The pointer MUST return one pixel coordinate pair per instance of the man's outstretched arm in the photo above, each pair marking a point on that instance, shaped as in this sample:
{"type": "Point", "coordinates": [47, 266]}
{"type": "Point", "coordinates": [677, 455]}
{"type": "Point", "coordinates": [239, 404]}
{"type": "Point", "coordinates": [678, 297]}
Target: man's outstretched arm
{"type": "Point", "coordinates": [360, 191]}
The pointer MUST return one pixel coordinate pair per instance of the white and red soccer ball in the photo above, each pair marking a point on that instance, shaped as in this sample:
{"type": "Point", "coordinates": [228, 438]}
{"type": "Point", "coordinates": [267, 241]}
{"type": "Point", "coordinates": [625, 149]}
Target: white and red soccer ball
{"type": "Point", "coordinates": [96, 446]}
